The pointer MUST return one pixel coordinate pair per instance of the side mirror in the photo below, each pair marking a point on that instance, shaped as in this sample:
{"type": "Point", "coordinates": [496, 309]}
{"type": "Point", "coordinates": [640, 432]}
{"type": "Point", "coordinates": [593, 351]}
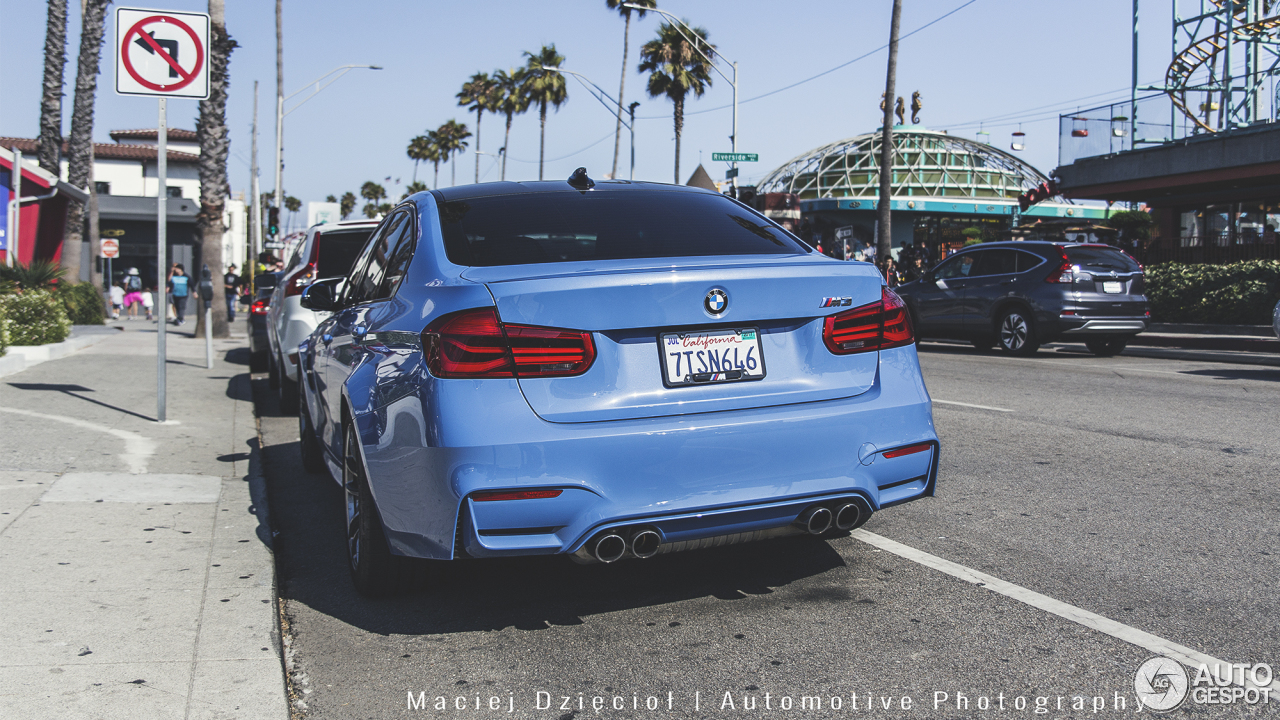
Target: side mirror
{"type": "Point", "coordinates": [320, 296]}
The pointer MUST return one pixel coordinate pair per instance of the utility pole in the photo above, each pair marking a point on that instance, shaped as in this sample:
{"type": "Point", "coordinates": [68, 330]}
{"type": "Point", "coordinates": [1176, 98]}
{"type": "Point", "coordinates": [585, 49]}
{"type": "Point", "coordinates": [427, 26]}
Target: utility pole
{"type": "Point", "coordinates": [279, 105]}
{"type": "Point", "coordinates": [885, 239]}
{"type": "Point", "coordinates": [255, 205]}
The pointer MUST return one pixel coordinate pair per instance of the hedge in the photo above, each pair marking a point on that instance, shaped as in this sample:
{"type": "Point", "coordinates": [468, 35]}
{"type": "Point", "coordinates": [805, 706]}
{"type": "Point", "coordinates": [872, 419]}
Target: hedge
{"type": "Point", "coordinates": [83, 302]}
{"type": "Point", "coordinates": [4, 334]}
{"type": "Point", "coordinates": [35, 317]}
{"type": "Point", "coordinates": [1242, 293]}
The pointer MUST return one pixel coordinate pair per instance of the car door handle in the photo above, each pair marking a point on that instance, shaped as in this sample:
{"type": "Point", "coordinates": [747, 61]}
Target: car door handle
{"type": "Point", "coordinates": [1007, 282]}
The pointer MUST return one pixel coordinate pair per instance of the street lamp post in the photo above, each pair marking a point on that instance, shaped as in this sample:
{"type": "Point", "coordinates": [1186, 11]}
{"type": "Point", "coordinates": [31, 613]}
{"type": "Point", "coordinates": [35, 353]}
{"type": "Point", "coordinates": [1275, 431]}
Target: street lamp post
{"type": "Point", "coordinates": [281, 112]}
{"type": "Point", "coordinates": [632, 126]}
{"type": "Point", "coordinates": [691, 38]}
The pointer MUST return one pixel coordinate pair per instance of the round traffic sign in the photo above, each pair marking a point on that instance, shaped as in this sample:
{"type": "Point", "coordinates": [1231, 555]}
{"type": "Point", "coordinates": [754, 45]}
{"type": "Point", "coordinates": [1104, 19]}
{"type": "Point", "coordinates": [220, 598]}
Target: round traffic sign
{"type": "Point", "coordinates": [110, 248]}
{"type": "Point", "coordinates": [185, 76]}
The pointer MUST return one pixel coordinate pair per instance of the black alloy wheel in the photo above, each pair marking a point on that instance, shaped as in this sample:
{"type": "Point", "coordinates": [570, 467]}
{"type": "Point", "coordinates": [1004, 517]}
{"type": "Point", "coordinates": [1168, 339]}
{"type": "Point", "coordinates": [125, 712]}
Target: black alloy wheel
{"type": "Point", "coordinates": [374, 570]}
{"type": "Point", "coordinates": [1106, 346]}
{"type": "Point", "coordinates": [1017, 333]}
{"type": "Point", "coordinates": [309, 444]}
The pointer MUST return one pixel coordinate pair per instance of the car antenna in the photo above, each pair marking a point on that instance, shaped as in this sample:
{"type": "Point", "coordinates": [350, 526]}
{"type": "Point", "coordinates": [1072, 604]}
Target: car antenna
{"type": "Point", "coordinates": [580, 180]}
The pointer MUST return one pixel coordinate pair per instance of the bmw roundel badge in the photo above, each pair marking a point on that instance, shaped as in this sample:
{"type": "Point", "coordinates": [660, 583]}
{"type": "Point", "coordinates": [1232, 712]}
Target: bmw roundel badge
{"type": "Point", "coordinates": [716, 302]}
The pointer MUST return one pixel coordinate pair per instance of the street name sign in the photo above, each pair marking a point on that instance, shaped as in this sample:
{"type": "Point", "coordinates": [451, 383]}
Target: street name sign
{"type": "Point", "coordinates": [735, 157]}
{"type": "Point", "coordinates": [162, 53]}
{"type": "Point", "coordinates": [110, 248]}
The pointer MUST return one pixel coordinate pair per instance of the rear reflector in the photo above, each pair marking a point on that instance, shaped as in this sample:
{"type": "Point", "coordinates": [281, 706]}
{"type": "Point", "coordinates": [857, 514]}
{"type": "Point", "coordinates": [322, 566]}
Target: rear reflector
{"type": "Point", "coordinates": [515, 495]}
{"type": "Point", "coordinates": [874, 326]}
{"type": "Point", "coordinates": [908, 450]}
{"type": "Point", "coordinates": [475, 344]}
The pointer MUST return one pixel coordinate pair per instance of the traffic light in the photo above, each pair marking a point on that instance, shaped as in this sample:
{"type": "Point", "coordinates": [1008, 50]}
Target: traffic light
{"type": "Point", "coordinates": [1037, 194]}
{"type": "Point", "coordinates": [273, 222]}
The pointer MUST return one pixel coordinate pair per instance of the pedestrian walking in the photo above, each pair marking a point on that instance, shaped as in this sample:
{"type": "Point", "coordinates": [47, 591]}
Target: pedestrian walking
{"type": "Point", "coordinates": [148, 302]}
{"type": "Point", "coordinates": [117, 299]}
{"type": "Point", "coordinates": [231, 285]}
{"type": "Point", "coordinates": [180, 288]}
{"type": "Point", "coordinates": [132, 293]}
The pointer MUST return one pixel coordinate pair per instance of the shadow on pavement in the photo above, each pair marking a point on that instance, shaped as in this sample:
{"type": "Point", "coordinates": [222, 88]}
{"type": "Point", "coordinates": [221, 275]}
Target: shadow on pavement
{"type": "Point", "coordinates": [1272, 374]}
{"type": "Point", "coordinates": [529, 593]}
{"type": "Point", "coordinates": [72, 391]}
{"type": "Point", "coordinates": [238, 356]}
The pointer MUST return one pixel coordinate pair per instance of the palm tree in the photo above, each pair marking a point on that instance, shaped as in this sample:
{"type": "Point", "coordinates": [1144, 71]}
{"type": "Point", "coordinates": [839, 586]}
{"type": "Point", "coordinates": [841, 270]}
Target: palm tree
{"type": "Point", "coordinates": [677, 68]}
{"type": "Point", "coordinates": [413, 187]}
{"type": "Point", "coordinates": [544, 87]}
{"type": "Point", "coordinates": [347, 204]}
{"type": "Point", "coordinates": [453, 140]}
{"type": "Point", "coordinates": [419, 149]}
{"type": "Point", "coordinates": [511, 100]}
{"type": "Point", "coordinates": [620, 6]}
{"type": "Point", "coordinates": [215, 144]}
{"type": "Point", "coordinates": [80, 145]}
{"type": "Point", "coordinates": [373, 192]}
{"type": "Point", "coordinates": [479, 94]}
{"type": "Point", "coordinates": [437, 153]}
{"type": "Point", "coordinates": [293, 205]}
{"type": "Point", "coordinates": [49, 146]}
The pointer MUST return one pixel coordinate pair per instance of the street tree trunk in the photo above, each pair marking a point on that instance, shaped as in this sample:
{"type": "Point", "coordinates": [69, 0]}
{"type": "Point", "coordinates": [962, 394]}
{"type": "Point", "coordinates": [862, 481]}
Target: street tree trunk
{"type": "Point", "coordinates": [884, 241]}
{"type": "Point", "coordinates": [679, 122]}
{"type": "Point", "coordinates": [542, 137]}
{"type": "Point", "coordinates": [80, 145]}
{"type": "Point", "coordinates": [211, 133]}
{"type": "Point", "coordinates": [437, 182]}
{"type": "Point", "coordinates": [49, 145]}
{"type": "Point", "coordinates": [622, 85]}
{"type": "Point", "coordinates": [479, 111]}
{"type": "Point", "coordinates": [506, 147]}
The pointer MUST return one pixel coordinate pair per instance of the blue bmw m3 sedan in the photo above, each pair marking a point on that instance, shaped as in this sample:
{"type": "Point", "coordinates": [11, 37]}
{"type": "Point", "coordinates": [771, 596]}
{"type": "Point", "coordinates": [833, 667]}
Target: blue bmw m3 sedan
{"type": "Point", "coordinates": [605, 371]}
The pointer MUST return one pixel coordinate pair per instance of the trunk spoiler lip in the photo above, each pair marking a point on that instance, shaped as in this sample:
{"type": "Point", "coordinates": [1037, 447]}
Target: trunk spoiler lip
{"type": "Point", "coordinates": [521, 273]}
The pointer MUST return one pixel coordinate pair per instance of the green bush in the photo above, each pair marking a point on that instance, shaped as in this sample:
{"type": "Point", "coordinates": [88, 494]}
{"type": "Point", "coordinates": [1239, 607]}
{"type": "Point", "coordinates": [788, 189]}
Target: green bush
{"type": "Point", "coordinates": [35, 317]}
{"type": "Point", "coordinates": [1242, 293]}
{"type": "Point", "coordinates": [4, 331]}
{"type": "Point", "coordinates": [83, 302]}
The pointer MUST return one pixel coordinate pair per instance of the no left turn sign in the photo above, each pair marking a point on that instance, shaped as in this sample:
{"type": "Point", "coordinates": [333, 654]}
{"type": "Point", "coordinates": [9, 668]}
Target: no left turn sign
{"type": "Point", "coordinates": [162, 53]}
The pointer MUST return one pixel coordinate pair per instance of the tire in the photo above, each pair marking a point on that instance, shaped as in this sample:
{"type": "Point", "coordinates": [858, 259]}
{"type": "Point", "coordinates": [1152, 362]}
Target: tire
{"type": "Point", "coordinates": [273, 371]}
{"type": "Point", "coordinates": [258, 362]}
{"type": "Point", "coordinates": [1106, 346]}
{"type": "Point", "coordinates": [983, 345]}
{"type": "Point", "coordinates": [309, 444]}
{"type": "Point", "coordinates": [374, 570]}
{"type": "Point", "coordinates": [287, 392]}
{"type": "Point", "coordinates": [1016, 333]}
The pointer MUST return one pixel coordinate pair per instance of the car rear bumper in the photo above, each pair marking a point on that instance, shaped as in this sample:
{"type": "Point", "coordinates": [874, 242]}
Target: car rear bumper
{"type": "Point", "coordinates": [1076, 325]}
{"type": "Point", "coordinates": [729, 475]}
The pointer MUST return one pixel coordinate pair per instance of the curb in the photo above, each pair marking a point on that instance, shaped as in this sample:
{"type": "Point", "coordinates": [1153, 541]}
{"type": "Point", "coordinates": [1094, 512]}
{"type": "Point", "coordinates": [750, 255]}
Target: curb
{"type": "Point", "coordinates": [21, 357]}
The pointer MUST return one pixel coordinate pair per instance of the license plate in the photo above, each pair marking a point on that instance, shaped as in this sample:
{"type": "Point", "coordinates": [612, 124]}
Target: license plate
{"type": "Point", "coordinates": [1112, 287]}
{"type": "Point", "coordinates": [712, 356]}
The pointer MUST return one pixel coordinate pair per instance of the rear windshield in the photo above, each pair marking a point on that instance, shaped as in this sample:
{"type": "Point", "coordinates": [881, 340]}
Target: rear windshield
{"type": "Point", "coordinates": [574, 226]}
{"type": "Point", "coordinates": [338, 251]}
{"type": "Point", "coordinates": [1101, 258]}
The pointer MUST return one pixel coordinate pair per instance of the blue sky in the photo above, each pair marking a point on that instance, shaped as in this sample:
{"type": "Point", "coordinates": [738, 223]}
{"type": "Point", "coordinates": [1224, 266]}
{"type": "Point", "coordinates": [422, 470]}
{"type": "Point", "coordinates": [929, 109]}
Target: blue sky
{"type": "Point", "coordinates": [991, 58]}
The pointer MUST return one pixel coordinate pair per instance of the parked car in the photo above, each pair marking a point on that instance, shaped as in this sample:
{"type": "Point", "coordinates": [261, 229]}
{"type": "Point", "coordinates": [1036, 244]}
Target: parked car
{"type": "Point", "coordinates": [1019, 295]}
{"type": "Point", "coordinates": [604, 370]}
{"type": "Point", "coordinates": [325, 251]}
{"type": "Point", "coordinates": [259, 347]}
{"type": "Point", "coordinates": [1275, 319]}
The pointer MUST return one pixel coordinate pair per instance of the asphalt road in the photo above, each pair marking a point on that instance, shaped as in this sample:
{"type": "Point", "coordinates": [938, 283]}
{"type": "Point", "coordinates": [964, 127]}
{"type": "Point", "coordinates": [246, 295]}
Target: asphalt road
{"type": "Point", "coordinates": [1140, 490]}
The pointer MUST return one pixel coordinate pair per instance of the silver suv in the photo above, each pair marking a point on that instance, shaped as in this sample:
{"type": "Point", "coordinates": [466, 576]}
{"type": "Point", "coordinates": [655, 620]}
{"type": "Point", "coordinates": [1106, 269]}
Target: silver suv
{"type": "Point", "coordinates": [327, 251]}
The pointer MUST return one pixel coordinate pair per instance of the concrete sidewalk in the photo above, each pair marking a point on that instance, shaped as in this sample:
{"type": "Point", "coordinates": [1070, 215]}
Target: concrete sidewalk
{"type": "Point", "coordinates": [138, 575]}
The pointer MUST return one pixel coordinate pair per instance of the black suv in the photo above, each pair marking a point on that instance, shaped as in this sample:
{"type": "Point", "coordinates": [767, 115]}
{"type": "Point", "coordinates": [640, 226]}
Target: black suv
{"type": "Point", "coordinates": [1021, 294]}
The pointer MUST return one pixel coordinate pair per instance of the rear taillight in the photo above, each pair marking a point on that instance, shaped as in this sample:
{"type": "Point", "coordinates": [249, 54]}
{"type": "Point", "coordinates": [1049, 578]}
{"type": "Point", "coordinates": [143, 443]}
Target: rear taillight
{"type": "Point", "coordinates": [259, 307]}
{"type": "Point", "coordinates": [1062, 273]}
{"type": "Point", "coordinates": [497, 495]}
{"type": "Point", "coordinates": [299, 280]}
{"type": "Point", "coordinates": [875, 326]}
{"type": "Point", "coordinates": [475, 344]}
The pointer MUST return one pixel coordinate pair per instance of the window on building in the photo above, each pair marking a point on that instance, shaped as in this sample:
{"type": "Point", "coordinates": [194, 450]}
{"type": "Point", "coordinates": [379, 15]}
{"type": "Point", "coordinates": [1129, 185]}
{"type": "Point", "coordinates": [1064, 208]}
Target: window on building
{"type": "Point", "coordinates": [174, 192]}
{"type": "Point", "coordinates": [102, 188]}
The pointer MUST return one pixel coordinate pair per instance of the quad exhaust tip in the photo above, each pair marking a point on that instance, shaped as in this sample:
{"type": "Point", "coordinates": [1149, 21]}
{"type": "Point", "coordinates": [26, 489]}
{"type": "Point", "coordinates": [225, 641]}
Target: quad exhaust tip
{"type": "Point", "coordinates": [645, 543]}
{"type": "Point", "coordinates": [816, 520]}
{"type": "Point", "coordinates": [847, 516]}
{"type": "Point", "coordinates": [609, 548]}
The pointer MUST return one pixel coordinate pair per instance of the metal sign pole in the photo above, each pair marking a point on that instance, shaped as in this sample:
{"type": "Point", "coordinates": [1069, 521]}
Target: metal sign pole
{"type": "Point", "coordinates": [161, 302]}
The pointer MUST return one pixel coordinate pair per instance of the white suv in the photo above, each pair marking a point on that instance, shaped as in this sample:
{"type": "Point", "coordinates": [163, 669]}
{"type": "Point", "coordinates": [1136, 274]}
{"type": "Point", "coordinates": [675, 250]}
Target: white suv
{"type": "Point", "coordinates": [327, 251]}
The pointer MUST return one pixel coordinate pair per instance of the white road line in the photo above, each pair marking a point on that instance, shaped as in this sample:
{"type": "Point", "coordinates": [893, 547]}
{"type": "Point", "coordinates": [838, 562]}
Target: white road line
{"type": "Point", "coordinates": [980, 407]}
{"type": "Point", "coordinates": [1093, 621]}
{"type": "Point", "coordinates": [136, 447]}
